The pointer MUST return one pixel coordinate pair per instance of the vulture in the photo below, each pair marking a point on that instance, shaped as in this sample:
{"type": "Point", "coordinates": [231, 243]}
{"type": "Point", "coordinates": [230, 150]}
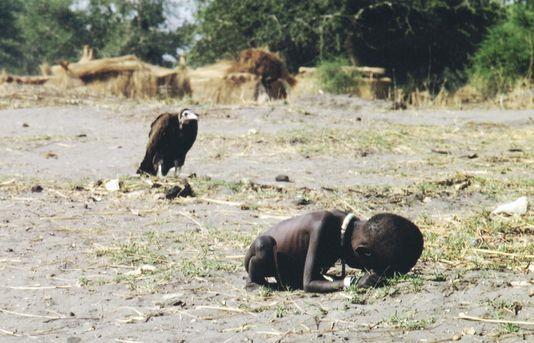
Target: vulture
{"type": "Point", "coordinates": [170, 138]}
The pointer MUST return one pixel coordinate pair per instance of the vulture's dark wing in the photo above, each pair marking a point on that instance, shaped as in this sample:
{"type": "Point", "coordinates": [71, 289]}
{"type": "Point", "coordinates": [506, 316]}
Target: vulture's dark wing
{"type": "Point", "coordinates": [163, 132]}
{"type": "Point", "coordinates": [154, 123]}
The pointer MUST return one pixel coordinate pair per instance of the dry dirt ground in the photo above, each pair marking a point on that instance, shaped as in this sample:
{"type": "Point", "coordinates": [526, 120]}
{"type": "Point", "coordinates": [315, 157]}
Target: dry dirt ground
{"type": "Point", "coordinates": [80, 263]}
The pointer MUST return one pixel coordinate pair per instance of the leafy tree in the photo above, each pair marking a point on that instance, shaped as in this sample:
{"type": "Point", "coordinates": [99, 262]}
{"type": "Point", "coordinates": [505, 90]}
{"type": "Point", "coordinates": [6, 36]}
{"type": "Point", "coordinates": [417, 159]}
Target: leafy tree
{"type": "Point", "coordinates": [418, 39]}
{"type": "Point", "coordinates": [507, 53]}
{"type": "Point", "coordinates": [10, 53]}
{"type": "Point", "coordinates": [50, 31]}
{"type": "Point", "coordinates": [303, 31]}
{"type": "Point", "coordinates": [133, 27]}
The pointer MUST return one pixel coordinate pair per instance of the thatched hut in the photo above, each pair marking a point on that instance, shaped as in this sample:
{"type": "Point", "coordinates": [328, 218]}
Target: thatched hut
{"type": "Point", "coordinates": [255, 76]}
{"type": "Point", "coordinates": [124, 75]}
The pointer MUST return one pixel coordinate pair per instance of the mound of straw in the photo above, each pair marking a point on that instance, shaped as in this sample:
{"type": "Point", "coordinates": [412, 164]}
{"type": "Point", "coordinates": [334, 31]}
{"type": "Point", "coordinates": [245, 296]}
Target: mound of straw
{"type": "Point", "coordinates": [125, 75]}
{"type": "Point", "coordinates": [256, 76]}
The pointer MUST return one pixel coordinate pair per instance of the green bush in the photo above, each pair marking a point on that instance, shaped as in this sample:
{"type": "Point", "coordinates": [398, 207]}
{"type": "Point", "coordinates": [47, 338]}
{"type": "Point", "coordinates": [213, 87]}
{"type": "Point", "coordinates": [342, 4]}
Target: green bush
{"type": "Point", "coordinates": [507, 53]}
{"type": "Point", "coordinates": [334, 79]}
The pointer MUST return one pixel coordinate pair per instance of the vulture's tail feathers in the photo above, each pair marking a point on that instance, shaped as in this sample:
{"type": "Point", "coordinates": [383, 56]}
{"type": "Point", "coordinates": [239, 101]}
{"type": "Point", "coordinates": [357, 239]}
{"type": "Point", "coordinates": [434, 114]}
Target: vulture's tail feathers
{"type": "Point", "coordinates": [146, 167]}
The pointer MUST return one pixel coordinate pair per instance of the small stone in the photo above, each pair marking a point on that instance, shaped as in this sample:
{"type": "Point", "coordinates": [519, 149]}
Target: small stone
{"type": "Point", "coordinates": [475, 242]}
{"type": "Point", "coordinates": [112, 185]}
{"type": "Point", "coordinates": [25, 125]}
{"type": "Point", "coordinates": [282, 178]}
{"type": "Point", "coordinates": [144, 269]}
{"type": "Point", "coordinates": [37, 189]}
{"type": "Point", "coordinates": [50, 154]}
{"type": "Point", "coordinates": [173, 299]}
{"type": "Point", "coordinates": [247, 182]}
{"type": "Point", "coordinates": [73, 339]}
{"type": "Point", "coordinates": [301, 201]}
{"type": "Point", "coordinates": [469, 331]}
{"type": "Point", "coordinates": [472, 156]}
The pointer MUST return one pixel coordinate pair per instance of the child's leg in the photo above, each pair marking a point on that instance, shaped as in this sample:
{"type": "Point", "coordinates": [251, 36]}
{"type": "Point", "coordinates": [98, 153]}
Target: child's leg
{"type": "Point", "coordinates": [260, 261]}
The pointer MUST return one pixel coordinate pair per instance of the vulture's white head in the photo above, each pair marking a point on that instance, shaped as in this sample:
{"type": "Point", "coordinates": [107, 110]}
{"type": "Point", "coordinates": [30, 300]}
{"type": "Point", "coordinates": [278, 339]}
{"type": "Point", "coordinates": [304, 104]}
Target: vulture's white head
{"type": "Point", "coordinates": [187, 115]}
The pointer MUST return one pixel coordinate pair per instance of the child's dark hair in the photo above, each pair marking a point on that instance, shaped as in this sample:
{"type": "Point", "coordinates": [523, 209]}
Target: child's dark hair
{"type": "Point", "coordinates": [396, 242]}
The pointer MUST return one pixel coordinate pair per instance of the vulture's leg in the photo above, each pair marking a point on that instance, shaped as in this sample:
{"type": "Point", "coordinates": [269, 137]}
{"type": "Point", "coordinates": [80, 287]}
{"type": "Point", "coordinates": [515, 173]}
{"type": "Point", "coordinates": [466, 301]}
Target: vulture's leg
{"type": "Point", "coordinates": [177, 168]}
{"type": "Point", "coordinates": [159, 173]}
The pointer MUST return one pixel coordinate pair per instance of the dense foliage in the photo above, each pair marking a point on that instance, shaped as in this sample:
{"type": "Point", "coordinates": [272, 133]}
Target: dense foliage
{"type": "Point", "coordinates": [334, 79]}
{"type": "Point", "coordinates": [9, 34]}
{"type": "Point", "coordinates": [37, 31]}
{"type": "Point", "coordinates": [412, 38]}
{"type": "Point", "coordinates": [137, 27]}
{"type": "Point", "coordinates": [507, 53]}
{"type": "Point", "coordinates": [50, 32]}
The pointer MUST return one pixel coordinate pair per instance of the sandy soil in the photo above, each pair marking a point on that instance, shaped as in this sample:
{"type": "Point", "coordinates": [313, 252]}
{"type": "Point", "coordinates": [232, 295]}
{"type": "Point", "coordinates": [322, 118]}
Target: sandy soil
{"type": "Point", "coordinates": [80, 263]}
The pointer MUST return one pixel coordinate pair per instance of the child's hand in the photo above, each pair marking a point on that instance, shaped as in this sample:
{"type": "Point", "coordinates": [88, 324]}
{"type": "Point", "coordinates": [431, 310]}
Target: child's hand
{"type": "Point", "coordinates": [370, 280]}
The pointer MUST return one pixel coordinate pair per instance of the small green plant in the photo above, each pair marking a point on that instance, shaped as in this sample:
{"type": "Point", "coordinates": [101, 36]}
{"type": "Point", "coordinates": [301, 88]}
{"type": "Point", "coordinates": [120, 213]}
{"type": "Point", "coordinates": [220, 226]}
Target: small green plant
{"type": "Point", "coordinates": [83, 281]}
{"type": "Point", "coordinates": [265, 292]}
{"type": "Point", "coordinates": [281, 311]}
{"type": "Point", "coordinates": [336, 78]}
{"type": "Point", "coordinates": [407, 323]}
{"type": "Point", "coordinates": [439, 277]}
{"type": "Point", "coordinates": [357, 295]}
{"type": "Point", "coordinates": [510, 328]}
{"type": "Point", "coordinates": [203, 266]}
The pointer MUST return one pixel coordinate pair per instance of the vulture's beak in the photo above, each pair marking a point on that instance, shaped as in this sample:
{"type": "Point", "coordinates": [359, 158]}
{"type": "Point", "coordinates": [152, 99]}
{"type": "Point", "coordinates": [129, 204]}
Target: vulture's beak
{"type": "Point", "coordinates": [189, 115]}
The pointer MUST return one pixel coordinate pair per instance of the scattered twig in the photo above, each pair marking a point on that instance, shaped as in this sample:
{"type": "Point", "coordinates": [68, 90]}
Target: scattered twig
{"type": "Point", "coordinates": [48, 318]}
{"type": "Point", "coordinates": [298, 307]}
{"type": "Point", "coordinates": [221, 202]}
{"type": "Point", "coordinates": [10, 333]}
{"type": "Point", "coordinates": [26, 314]}
{"type": "Point", "coordinates": [38, 287]}
{"type": "Point", "coordinates": [5, 183]}
{"type": "Point", "coordinates": [440, 151]}
{"type": "Point", "coordinates": [496, 252]}
{"type": "Point", "coordinates": [272, 333]}
{"type": "Point", "coordinates": [497, 321]}
{"type": "Point", "coordinates": [352, 208]}
{"type": "Point", "coordinates": [188, 216]}
{"type": "Point", "coordinates": [59, 193]}
{"type": "Point", "coordinates": [229, 309]}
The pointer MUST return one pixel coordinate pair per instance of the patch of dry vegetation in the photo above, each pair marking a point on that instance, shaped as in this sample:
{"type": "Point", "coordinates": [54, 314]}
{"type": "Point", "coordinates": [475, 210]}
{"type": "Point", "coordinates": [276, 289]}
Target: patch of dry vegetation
{"type": "Point", "coordinates": [405, 139]}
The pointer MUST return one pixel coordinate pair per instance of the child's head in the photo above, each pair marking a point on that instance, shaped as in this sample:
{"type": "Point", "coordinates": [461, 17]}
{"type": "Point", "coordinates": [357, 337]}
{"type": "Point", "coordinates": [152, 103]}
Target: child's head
{"type": "Point", "coordinates": [386, 243]}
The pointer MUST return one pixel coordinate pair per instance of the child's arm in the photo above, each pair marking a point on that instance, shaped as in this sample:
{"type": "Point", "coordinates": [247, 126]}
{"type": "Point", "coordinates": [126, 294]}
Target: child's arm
{"type": "Point", "coordinates": [312, 278]}
{"type": "Point", "coordinates": [312, 281]}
